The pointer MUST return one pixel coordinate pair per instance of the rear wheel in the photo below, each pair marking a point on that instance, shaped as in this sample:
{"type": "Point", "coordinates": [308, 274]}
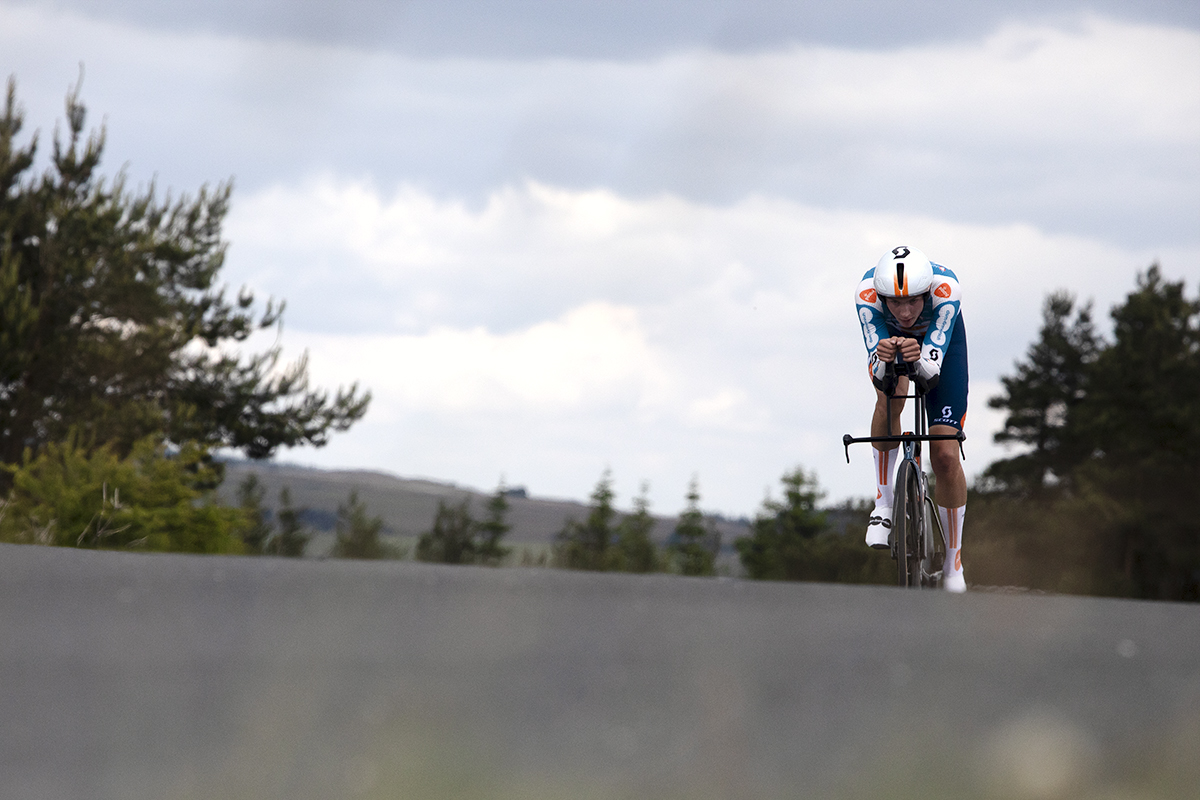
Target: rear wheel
{"type": "Point", "coordinates": [934, 547]}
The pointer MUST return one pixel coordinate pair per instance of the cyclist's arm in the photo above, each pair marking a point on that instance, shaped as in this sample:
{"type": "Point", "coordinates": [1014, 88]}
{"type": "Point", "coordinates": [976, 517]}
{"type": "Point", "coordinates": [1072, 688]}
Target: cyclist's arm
{"type": "Point", "coordinates": [945, 296]}
{"type": "Point", "coordinates": [881, 346]}
{"type": "Point", "coordinates": [870, 318]}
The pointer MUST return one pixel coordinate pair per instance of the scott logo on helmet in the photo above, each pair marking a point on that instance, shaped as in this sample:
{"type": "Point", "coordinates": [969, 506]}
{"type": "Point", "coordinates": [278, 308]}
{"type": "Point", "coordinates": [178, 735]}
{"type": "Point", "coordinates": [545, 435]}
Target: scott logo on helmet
{"type": "Point", "coordinates": [902, 272]}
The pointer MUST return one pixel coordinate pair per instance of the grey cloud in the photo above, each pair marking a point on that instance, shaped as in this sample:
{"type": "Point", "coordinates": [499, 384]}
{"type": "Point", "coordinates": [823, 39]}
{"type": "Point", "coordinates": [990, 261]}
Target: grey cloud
{"type": "Point", "coordinates": [276, 113]}
{"type": "Point", "coordinates": [605, 28]}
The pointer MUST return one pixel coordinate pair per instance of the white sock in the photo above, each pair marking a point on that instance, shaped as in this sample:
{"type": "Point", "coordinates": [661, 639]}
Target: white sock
{"type": "Point", "coordinates": [952, 529]}
{"type": "Point", "coordinates": [885, 470]}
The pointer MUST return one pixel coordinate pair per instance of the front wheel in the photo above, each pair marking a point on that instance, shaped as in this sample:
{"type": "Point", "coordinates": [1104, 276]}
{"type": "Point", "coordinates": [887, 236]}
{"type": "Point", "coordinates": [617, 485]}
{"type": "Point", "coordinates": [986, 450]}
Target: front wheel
{"type": "Point", "coordinates": [906, 522]}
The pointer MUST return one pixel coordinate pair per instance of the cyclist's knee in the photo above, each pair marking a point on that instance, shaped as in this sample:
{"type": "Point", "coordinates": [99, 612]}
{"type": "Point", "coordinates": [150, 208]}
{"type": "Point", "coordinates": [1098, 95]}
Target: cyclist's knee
{"type": "Point", "coordinates": [881, 403]}
{"type": "Point", "coordinates": [944, 457]}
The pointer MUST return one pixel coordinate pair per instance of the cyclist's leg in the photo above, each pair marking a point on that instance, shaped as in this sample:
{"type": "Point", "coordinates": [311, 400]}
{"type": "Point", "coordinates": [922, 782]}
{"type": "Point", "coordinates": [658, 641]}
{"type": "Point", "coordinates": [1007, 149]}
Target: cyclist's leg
{"type": "Point", "coordinates": [947, 466]}
{"type": "Point", "coordinates": [947, 407]}
{"type": "Point", "coordinates": [885, 465]}
{"type": "Point", "coordinates": [879, 420]}
{"type": "Point", "coordinates": [951, 499]}
{"type": "Point", "coordinates": [953, 578]}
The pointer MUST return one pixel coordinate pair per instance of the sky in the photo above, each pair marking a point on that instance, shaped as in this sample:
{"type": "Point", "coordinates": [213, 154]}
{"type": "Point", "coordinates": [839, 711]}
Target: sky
{"type": "Point", "coordinates": [554, 238]}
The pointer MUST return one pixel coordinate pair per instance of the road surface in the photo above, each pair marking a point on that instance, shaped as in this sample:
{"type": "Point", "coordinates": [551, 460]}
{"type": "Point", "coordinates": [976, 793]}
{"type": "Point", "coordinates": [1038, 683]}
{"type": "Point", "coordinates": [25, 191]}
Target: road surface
{"type": "Point", "coordinates": [130, 676]}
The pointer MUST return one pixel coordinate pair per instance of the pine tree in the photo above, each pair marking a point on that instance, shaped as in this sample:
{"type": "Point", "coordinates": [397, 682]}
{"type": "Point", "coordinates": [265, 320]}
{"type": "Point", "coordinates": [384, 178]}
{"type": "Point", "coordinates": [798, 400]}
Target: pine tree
{"type": "Point", "coordinates": [780, 545]}
{"type": "Point", "coordinates": [1141, 419]}
{"type": "Point", "coordinates": [1144, 395]}
{"type": "Point", "coordinates": [292, 537]}
{"type": "Point", "coordinates": [258, 527]}
{"type": "Point", "coordinates": [696, 542]}
{"type": "Point", "coordinates": [151, 499]}
{"type": "Point", "coordinates": [112, 321]}
{"type": "Point", "coordinates": [588, 545]}
{"type": "Point", "coordinates": [357, 534]}
{"type": "Point", "coordinates": [1124, 521]}
{"type": "Point", "coordinates": [493, 528]}
{"type": "Point", "coordinates": [452, 538]}
{"type": "Point", "coordinates": [636, 548]}
{"type": "Point", "coordinates": [1041, 399]}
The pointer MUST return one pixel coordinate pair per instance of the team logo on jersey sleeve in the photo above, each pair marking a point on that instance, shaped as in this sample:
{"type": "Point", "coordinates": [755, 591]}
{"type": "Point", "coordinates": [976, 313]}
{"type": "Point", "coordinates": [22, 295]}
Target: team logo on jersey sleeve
{"type": "Point", "coordinates": [868, 295]}
{"type": "Point", "coordinates": [942, 290]}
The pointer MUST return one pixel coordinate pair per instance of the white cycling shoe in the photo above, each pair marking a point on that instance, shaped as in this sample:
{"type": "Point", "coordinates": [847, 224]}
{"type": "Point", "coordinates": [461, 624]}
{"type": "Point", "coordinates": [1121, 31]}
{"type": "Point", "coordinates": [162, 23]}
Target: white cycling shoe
{"type": "Point", "coordinates": [954, 582]}
{"type": "Point", "coordinates": [879, 528]}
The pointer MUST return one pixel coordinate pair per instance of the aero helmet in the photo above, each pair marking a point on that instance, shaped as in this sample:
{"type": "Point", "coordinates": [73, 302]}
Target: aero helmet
{"type": "Point", "coordinates": [903, 272]}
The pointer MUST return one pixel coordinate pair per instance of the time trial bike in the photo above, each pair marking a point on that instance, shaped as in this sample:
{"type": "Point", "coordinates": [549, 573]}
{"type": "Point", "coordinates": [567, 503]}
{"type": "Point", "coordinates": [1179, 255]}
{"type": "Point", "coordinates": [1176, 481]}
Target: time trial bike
{"type": "Point", "coordinates": [916, 536]}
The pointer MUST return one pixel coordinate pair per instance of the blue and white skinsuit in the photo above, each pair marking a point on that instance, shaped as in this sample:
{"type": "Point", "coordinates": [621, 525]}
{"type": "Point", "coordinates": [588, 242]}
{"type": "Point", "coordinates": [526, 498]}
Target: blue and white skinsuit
{"type": "Point", "coordinates": [943, 337]}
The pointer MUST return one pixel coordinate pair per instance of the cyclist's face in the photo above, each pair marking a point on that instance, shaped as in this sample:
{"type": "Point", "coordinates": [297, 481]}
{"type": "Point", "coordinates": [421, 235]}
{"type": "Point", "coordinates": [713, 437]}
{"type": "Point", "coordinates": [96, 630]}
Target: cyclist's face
{"type": "Point", "coordinates": [906, 309]}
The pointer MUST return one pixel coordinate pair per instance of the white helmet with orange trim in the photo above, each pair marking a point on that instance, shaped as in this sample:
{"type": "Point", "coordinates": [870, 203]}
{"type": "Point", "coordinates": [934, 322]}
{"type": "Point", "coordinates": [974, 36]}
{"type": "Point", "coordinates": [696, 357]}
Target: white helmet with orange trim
{"type": "Point", "coordinates": [903, 272]}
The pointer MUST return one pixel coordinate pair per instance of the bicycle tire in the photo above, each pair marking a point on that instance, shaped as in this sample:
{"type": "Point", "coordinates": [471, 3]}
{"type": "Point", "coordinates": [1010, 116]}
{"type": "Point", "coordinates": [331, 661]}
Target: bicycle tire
{"type": "Point", "coordinates": [915, 526]}
{"type": "Point", "coordinates": [905, 521]}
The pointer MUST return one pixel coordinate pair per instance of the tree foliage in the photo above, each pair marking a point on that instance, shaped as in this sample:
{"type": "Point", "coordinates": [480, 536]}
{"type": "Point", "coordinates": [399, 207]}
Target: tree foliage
{"type": "Point", "coordinates": [458, 538]}
{"type": "Point", "coordinates": [607, 541]}
{"type": "Point", "coordinates": [588, 545]}
{"type": "Point", "coordinates": [266, 533]}
{"type": "Point", "coordinates": [775, 548]}
{"type": "Point", "coordinates": [791, 539]}
{"type": "Point", "coordinates": [1124, 502]}
{"type": "Point", "coordinates": [113, 323]}
{"type": "Point", "coordinates": [696, 542]}
{"type": "Point", "coordinates": [258, 523]}
{"type": "Point", "coordinates": [292, 537]}
{"type": "Point", "coordinates": [452, 538]}
{"type": "Point", "coordinates": [1144, 399]}
{"type": "Point", "coordinates": [493, 528]}
{"type": "Point", "coordinates": [357, 535]}
{"type": "Point", "coordinates": [636, 550]}
{"type": "Point", "coordinates": [75, 496]}
{"type": "Point", "coordinates": [1043, 395]}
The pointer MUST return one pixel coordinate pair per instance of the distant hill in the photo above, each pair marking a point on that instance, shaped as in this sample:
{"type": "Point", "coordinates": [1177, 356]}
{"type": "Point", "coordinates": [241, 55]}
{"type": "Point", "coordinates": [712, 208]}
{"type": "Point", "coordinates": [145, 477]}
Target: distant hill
{"type": "Point", "coordinates": [408, 506]}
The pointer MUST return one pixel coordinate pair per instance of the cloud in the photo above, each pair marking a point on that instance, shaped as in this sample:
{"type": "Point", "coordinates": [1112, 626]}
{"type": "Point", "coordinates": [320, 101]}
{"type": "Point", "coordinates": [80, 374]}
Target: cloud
{"type": "Point", "coordinates": [594, 357]}
{"type": "Point", "coordinates": [547, 265]}
{"type": "Point", "coordinates": [1085, 125]}
{"type": "Point", "coordinates": [1072, 129]}
{"type": "Point", "coordinates": [529, 252]}
{"type": "Point", "coordinates": [548, 333]}
{"type": "Point", "coordinates": [618, 29]}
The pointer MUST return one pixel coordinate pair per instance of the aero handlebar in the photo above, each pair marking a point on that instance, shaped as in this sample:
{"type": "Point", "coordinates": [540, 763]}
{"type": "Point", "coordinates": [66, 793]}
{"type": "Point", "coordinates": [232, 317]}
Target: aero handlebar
{"type": "Point", "coordinates": [895, 369]}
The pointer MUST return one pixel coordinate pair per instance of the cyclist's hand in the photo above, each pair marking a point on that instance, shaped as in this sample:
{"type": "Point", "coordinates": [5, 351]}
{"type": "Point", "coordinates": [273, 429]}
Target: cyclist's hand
{"type": "Point", "coordinates": [910, 349]}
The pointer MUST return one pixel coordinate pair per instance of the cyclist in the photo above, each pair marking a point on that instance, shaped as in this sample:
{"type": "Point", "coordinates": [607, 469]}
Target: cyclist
{"type": "Point", "coordinates": [909, 305]}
